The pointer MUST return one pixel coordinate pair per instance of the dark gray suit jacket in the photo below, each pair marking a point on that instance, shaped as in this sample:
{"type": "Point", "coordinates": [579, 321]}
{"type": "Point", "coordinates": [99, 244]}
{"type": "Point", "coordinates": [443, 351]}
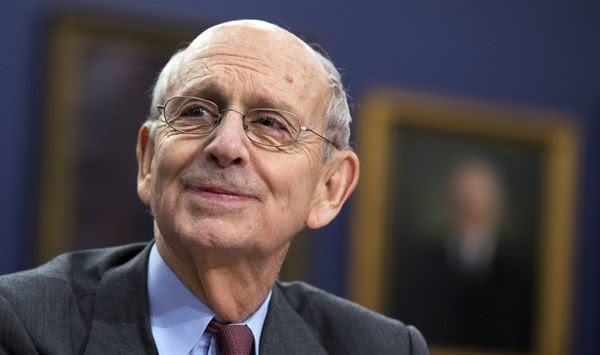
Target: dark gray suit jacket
{"type": "Point", "coordinates": [96, 302]}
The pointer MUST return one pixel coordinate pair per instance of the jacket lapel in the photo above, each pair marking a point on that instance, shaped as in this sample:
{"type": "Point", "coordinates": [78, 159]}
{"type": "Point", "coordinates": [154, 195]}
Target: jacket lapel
{"type": "Point", "coordinates": [285, 332]}
{"type": "Point", "coordinates": [120, 321]}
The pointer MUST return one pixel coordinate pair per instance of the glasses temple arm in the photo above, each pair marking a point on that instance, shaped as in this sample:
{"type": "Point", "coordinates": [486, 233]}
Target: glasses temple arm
{"type": "Point", "coordinates": [304, 129]}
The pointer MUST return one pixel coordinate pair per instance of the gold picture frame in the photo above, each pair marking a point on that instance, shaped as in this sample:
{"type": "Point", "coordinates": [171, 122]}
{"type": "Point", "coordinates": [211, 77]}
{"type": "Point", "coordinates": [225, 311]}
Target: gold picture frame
{"type": "Point", "coordinates": [385, 111]}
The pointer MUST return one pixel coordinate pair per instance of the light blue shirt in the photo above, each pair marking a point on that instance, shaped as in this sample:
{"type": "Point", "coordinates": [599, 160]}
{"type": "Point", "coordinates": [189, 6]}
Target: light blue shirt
{"type": "Point", "coordinates": [178, 318]}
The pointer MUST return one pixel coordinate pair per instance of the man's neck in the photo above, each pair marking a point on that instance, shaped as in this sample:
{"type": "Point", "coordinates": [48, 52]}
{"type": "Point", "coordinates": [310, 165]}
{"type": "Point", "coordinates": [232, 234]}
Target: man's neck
{"type": "Point", "coordinates": [233, 287]}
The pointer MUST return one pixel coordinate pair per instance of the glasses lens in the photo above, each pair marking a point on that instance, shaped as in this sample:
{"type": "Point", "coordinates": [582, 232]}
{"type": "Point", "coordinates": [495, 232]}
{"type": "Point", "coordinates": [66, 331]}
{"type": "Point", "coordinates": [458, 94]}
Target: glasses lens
{"type": "Point", "coordinates": [191, 115]}
{"type": "Point", "coordinates": [272, 127]}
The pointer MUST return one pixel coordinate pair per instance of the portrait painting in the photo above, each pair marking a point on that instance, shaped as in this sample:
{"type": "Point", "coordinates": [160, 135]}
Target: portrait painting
{"type": "Point", "coordinates": [457, 230]}
{"type": "Point", "coordinates": [465, 221]}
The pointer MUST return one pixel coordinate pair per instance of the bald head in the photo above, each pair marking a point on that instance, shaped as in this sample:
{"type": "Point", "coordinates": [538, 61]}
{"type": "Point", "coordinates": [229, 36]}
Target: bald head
{"type": "Point", "coordinates": [258, 35]}
{"type": "Point", "coordinates": [285, 65]}
{"type": "Point", "coordinates": [259, 40]}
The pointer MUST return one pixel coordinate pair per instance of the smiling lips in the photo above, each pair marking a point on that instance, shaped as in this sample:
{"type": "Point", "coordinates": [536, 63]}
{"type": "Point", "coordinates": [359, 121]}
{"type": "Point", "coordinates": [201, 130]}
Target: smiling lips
{"type": "Point", "coordinates": [219, 193]}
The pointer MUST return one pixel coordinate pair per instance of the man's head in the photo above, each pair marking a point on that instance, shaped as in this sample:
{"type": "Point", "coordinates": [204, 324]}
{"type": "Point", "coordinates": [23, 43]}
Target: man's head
{"type": "Point", "coordinates": [222, 192]}
{"type": "Point", "coordinates": [476, 197]}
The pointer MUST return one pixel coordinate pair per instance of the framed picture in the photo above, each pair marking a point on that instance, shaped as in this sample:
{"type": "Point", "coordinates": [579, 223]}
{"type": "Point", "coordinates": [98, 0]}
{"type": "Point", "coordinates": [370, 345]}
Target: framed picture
{"type": "Point", "coordinates": [465, 222]}
{"type": "Point", "coordinates": [100, 73]}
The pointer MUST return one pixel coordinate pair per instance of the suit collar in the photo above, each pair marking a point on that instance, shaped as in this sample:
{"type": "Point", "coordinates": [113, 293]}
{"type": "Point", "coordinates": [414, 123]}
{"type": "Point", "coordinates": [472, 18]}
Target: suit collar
{"type": "Point", "coordinates": [120, 320]}
{"type": "Point", "coordinates": [285, 332]}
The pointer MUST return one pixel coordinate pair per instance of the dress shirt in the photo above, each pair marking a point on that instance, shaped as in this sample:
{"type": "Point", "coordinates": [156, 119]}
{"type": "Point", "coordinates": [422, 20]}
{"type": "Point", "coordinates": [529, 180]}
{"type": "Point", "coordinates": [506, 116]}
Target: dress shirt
{"type": "Point", "coordinates": [178, 318]}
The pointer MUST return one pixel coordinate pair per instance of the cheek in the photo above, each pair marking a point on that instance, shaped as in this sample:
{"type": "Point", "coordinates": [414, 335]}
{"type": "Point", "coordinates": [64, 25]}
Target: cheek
{"type": "Point", "coordinates": [169, 160]}
{"type": "Point", "coordinates": [293, 186]}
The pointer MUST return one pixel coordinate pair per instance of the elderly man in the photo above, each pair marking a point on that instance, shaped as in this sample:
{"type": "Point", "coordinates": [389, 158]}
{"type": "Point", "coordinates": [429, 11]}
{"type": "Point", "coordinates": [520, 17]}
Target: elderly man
{"type": "Point", "coordinates": [246, 144]}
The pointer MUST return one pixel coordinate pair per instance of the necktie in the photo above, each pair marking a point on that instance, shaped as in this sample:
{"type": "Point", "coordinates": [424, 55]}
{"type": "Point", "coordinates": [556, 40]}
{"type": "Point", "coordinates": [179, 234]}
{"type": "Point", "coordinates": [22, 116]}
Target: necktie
{"type": "Point", "coordinates": [232, 339]}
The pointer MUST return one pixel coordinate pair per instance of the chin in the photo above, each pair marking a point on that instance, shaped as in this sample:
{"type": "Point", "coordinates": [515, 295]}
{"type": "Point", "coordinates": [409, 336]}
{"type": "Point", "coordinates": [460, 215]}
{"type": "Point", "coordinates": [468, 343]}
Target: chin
{"type": "Point", "coordinates": [216, 235]}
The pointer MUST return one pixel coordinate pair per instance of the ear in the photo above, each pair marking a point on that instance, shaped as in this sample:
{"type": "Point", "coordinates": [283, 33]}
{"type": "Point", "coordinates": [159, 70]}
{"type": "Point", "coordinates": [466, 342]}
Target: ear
{"type": "Point", "coordinates": [335, 186]}
{"type": "Point", "coordinates": [144, 153]}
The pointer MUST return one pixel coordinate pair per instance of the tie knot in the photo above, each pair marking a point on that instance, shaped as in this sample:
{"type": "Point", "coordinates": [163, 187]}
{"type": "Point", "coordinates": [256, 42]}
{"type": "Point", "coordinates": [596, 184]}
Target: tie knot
{"type": "Point", "coordinates": [233, 339]}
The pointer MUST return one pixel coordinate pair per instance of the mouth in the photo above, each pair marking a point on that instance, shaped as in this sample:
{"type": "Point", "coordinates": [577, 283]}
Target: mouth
{"type": "Point", "coordinates": [219, 193]}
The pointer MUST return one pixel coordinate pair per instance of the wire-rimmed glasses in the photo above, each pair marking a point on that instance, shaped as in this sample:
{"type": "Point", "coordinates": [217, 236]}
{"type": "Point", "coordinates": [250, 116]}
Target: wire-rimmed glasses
{"type": "Point", "coordinates": [266, 126]}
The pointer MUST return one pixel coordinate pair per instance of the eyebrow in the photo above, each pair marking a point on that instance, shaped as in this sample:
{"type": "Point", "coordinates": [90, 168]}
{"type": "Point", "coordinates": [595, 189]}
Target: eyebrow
{"type": "Point", "coordinates": [204, 87]}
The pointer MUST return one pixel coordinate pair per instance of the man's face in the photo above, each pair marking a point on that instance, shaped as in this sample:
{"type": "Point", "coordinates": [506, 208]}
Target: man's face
{"type": "Point", "coordinates": [475, 198]}
{"type": "Point", "coordinates": [221, 191]}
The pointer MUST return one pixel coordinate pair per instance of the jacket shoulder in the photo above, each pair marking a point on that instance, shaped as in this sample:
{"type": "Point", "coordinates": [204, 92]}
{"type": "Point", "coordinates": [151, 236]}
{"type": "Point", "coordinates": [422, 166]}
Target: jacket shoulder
{"type": "Point", "coordinates": [56, 298]}
{"type": "Point", "coordinates": [346, 327]}
{"type": "Point", "coordinates": [78, 272]}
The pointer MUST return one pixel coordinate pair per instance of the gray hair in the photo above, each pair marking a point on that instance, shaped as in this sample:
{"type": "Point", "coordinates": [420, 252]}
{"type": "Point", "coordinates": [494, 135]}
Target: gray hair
{"type": "Point", "coordinates": [337, 115]}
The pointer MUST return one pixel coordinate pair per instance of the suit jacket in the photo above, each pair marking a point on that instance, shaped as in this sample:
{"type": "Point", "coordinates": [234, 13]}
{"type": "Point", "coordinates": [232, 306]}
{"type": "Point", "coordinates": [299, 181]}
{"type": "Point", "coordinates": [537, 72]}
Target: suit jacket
{"type": "Point", "coordinates": [96, 302]}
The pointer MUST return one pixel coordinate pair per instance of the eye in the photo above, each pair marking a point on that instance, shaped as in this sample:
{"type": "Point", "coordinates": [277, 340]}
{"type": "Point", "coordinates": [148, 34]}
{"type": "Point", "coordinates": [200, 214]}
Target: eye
{"type": "Point", "coordinates": [269, 122]}
{"type": "Point", "coordinates": [271, 127]}
{"type": "Point", "coordinates": [194, 111]}
{"type": "Point", "coordinates": [193, 115]}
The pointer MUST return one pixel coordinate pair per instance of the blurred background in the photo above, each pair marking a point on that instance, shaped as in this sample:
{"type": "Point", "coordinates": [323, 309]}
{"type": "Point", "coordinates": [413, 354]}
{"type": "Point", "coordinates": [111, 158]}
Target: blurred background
{"type": "Point", "coordinates": [76, 77]}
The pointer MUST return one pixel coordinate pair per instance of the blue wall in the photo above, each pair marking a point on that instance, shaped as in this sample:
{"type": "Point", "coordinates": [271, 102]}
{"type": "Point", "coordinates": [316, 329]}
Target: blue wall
{"type": "Point", "coordinates": [543, 53]}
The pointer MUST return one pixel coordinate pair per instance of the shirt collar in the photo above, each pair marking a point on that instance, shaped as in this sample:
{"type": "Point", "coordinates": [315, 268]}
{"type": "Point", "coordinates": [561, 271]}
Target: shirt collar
{"type": "Point", "coordinates": [177, 317]}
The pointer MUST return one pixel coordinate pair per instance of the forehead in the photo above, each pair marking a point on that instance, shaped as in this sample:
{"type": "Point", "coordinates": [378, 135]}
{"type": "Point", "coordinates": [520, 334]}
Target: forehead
{"type": "Point", "coordinates": [255, 65]}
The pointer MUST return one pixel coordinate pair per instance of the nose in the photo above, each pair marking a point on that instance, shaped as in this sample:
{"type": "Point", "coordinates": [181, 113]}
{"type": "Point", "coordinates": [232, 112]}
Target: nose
{"type": "Point", "coordinates": [228, 144]}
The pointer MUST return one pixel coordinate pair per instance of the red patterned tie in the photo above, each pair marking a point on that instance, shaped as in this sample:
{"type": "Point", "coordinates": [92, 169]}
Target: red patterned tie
{"type": "Point", "coordinates": [232, 339]}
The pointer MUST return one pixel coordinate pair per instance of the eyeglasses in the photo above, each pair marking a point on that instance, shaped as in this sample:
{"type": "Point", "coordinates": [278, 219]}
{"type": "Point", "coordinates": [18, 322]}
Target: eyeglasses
{"type": "Point", "coordinates": [266, 126]}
